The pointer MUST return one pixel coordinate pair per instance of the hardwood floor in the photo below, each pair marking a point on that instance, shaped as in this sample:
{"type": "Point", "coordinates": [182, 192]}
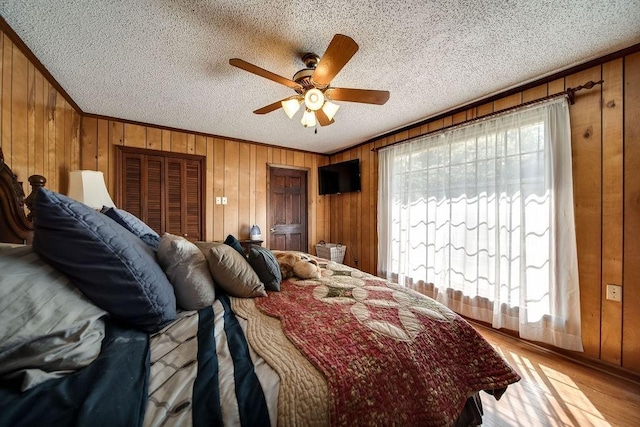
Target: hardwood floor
{"type": "Point", "coordinates": [555, 391]}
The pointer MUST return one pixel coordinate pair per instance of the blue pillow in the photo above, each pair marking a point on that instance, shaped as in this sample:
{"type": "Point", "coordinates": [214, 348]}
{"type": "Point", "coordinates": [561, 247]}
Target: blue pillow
{"type": "Point", "coordinates": [266, 265]}
{"type": "Point", "coordinates": [235, 244]}
{"type": "Point", "coordinates": [134, 225]}
{"type": "Point", "coordinates": [111, 266]}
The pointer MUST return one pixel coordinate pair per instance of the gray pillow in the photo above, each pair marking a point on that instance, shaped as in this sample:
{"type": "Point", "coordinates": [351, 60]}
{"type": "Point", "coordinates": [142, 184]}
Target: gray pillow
{"type": "Point", "coordinates": [231, 271]}
{"type": "Point", "coordinates": [266, 265]}
{"type": "Point", "coordinates": [187, 270]}
{"type": "Point", "coordinates": [111, 266]}
{"type": "Point", "coordinates": [48, 328]}
{"type": "Point", "coordinates": [134, 225]}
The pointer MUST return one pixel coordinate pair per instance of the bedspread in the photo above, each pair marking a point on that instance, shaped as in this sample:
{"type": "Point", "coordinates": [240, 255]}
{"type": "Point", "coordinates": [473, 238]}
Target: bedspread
{"type": "Point", "coordinates": [303, 397]}
{"type": "Point", "coordinates": [387, 353]}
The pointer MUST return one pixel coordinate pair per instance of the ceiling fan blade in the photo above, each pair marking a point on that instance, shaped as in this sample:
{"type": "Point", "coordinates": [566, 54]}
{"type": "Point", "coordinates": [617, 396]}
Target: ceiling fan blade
{"type": "Point", "coordinates": [323, 119]}
{"type": "Point", "coordinates": [339, 52]}
{"type": "Point", "coordinates": [269, 108]}
{"type": "Point", "coordinates": [264, 73]}
{"type": "Point", "coordinates": [273, 107]}
{"type": "Point", "coordinates": [365, 96]}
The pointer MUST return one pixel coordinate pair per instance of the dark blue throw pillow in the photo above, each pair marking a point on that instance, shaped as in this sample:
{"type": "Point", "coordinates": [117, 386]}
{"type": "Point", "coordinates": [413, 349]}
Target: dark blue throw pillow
{"type": "Point", "coordinates": [110, 265]}
{"type": "Point", "coordinates": [134, 225]}
{"type": "Point", "coordinates": [266, 265]}
{"type": "Point", "coordinates": [235, 244]}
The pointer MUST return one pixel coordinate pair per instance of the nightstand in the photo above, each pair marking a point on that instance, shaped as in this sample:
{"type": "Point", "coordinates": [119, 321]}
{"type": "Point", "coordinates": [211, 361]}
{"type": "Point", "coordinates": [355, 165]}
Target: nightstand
{"type": "Point", "coordinates": [246, 244]}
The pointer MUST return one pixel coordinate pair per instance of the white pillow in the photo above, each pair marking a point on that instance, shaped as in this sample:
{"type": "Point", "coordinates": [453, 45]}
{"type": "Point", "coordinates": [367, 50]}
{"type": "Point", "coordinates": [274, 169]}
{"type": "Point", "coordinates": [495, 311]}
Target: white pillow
{"type": "Point", "coordinates": [47, 327]}
{"type": "Point", "coordinates": [187, 270]}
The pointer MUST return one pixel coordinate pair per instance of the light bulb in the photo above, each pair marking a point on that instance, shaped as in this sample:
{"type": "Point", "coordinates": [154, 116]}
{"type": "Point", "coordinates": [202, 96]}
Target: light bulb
{"type": "Point", "coordinates": [330, 109]}
{"type": "Point", "coordinates": [314, 99]}
{"type": "Point", "coordinates": [291, 106]}
{"type": "Point", "coordinates": [308, 119]}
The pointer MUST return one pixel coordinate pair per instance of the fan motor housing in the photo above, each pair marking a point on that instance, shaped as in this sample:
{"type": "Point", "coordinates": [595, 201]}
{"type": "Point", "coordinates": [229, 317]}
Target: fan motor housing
{"type": "Point", "coordinates": [310, 60]}
{"type": "Point", "coordinates": [303, 77]}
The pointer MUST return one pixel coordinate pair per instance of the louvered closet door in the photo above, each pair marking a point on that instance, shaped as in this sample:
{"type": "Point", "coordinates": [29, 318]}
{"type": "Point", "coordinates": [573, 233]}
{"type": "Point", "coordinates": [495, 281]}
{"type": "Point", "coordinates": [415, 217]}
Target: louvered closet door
{"type": "Point", "coordinates": [153, 211]}
{"type": "Point", "coordinates": [165, 191]}
{"type": "Point", "coordinates": [175, 206]}
{"type": "Point", "coordinates": [193, 198]}
{"type": "Point", "coordinates": [133, 169]}
{"type": "Point", "coordinates": [183, 198]}
{"type": "Point", "coordinates": [143, 195]}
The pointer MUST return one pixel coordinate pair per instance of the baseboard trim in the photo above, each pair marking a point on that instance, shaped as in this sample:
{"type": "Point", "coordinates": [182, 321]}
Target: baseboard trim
{"type": "Point", "coordinates": [614, 370]}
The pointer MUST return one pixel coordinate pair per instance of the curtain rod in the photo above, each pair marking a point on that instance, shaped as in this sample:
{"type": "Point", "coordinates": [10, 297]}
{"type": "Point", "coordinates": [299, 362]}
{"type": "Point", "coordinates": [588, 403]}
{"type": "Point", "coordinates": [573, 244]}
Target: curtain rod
{"type": "Point", "coordinates": [570, 93]}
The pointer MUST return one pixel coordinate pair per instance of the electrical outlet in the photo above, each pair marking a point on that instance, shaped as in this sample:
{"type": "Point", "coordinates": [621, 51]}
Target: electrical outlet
{"type": "Point", "coordinates": [224, 200]}
{"type": "Point", "coordinates": [218, 200]}
{"type": "Point", "coordinates": [614, 293]}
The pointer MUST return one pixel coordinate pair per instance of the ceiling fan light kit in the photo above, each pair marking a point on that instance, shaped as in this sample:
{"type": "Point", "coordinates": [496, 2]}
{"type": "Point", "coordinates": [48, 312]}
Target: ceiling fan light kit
{"type": "Point", "coordinates": [312, 84]}
{"type": "Point", "coordinates": [313, 99]}
{"type": "Point", "coordinates": [330, 109]}
{"type": "Point", "coordinates": [308, 119]}
{"type": "Point", "coordinates": [291, 106]}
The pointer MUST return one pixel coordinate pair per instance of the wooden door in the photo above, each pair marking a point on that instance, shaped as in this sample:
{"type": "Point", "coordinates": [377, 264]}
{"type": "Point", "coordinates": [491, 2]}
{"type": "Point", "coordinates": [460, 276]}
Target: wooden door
{"type": "Point", "coordinates": [183, 198]}
{"type": "Point", "coordinates": [288, 209]}
{"type": "Point", "coordinates": [155, 201]}
{"type": "Point", "coordinates": [144, 196]}
{"type": "Point", "coordinates": [194, 192]}
{"type": "Point", "coordinates": [175, 197]}
{"type": "Point", "coordinates": [165, 190]}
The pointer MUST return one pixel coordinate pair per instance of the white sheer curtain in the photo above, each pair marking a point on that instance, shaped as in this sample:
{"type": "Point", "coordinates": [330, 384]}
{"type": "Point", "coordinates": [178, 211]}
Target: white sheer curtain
{"type": "Point", "coordinates": [484, 212]}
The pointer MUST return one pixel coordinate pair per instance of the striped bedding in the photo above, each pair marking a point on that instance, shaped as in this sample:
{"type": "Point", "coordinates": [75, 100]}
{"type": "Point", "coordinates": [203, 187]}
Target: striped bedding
{"type": "Point", "coordinates": [197, 371]}
{"type": "Point", "coordinates": [190, 354]}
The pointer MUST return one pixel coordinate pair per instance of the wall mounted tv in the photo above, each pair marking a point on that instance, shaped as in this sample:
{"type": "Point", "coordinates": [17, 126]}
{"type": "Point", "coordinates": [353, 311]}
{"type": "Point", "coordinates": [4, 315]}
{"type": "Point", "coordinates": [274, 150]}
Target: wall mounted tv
{"type": "Point", "coordinates": [341, 177]}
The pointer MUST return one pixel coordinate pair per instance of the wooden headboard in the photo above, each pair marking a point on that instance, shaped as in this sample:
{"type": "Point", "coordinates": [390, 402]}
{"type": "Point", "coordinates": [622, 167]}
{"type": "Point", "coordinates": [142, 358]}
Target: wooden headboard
{"type": "Point", "coordinates": [16, 226]}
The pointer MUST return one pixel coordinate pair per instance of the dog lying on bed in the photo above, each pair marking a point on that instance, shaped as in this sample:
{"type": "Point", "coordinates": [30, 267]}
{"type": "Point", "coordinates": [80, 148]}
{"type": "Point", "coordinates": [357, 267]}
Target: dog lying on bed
{"type": "Point", "coordinates": [297, 264]}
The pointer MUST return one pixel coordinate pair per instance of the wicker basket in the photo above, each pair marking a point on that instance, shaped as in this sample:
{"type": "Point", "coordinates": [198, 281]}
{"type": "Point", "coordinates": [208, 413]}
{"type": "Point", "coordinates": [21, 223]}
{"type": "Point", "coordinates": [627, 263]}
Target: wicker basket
{"type": "Point", "coordinates": [331, 251]}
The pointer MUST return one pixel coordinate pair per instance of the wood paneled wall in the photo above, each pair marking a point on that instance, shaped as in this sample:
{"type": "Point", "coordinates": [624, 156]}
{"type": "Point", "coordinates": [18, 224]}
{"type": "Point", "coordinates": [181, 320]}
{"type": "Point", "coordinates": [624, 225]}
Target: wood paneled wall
{"type": "Point", "coordinates": [236, 170]}
{"type": "Point", "coordinates": [39, 129]}
{"type": "Point", "coordinates": [605, 126]}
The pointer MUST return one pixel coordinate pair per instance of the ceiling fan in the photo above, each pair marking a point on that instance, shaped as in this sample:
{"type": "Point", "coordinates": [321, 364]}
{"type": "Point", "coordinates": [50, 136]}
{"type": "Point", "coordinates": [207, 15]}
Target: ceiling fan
{"type": "Point", "coordinates": [312, 84]}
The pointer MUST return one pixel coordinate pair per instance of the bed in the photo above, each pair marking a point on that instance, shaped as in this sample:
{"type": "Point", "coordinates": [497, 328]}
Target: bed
{"type": "Point", "coordinates": [342, 348]}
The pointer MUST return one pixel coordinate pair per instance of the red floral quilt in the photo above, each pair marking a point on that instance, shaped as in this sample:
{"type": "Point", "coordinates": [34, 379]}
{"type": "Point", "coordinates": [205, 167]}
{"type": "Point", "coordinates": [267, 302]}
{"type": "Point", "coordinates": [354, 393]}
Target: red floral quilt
{"type": "Point", "coordinates": [389, 354]}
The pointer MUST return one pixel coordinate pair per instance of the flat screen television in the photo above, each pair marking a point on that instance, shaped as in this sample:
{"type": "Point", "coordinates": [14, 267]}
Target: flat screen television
{"type": "Point", "coordinates": [341, 177]}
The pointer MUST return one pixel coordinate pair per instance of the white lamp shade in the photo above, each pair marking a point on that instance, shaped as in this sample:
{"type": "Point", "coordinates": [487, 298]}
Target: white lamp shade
{"type": "Point", "coordinates": [308, 119]}
{"type": "Point", "coordinates": [330, 109]}
{"type": "Point", "coordinates": [291, 106]}
{"type": "Point", "coordinates": [314, 99]}
{"type": "Point", "coordinates": [87, 186]}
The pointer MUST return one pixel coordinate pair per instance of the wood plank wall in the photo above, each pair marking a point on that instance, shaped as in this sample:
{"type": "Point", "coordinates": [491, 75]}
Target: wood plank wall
{"type": "Point", "coordinates": [605, 126]}
{"type": "Point", "coordinates": [39, 129]}
{"type": "Point", "coordinates": [236, 170]}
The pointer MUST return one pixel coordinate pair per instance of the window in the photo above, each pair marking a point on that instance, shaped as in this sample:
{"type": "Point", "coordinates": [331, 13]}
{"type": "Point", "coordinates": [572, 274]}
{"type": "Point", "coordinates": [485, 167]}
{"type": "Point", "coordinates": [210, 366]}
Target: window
{"type": "Point", "coordinates": [485, 213]}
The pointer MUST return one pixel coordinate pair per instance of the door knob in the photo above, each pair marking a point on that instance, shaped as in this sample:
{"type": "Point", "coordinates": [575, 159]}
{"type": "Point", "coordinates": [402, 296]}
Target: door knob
{"type": "Point", "coordinates": [273, 230]}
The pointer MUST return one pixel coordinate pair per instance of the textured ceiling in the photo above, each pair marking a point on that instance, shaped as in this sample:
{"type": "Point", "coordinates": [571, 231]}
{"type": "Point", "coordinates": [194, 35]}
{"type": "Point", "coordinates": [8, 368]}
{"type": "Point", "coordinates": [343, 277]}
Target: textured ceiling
{"type": "Point", "coordinates": [166, 62]}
